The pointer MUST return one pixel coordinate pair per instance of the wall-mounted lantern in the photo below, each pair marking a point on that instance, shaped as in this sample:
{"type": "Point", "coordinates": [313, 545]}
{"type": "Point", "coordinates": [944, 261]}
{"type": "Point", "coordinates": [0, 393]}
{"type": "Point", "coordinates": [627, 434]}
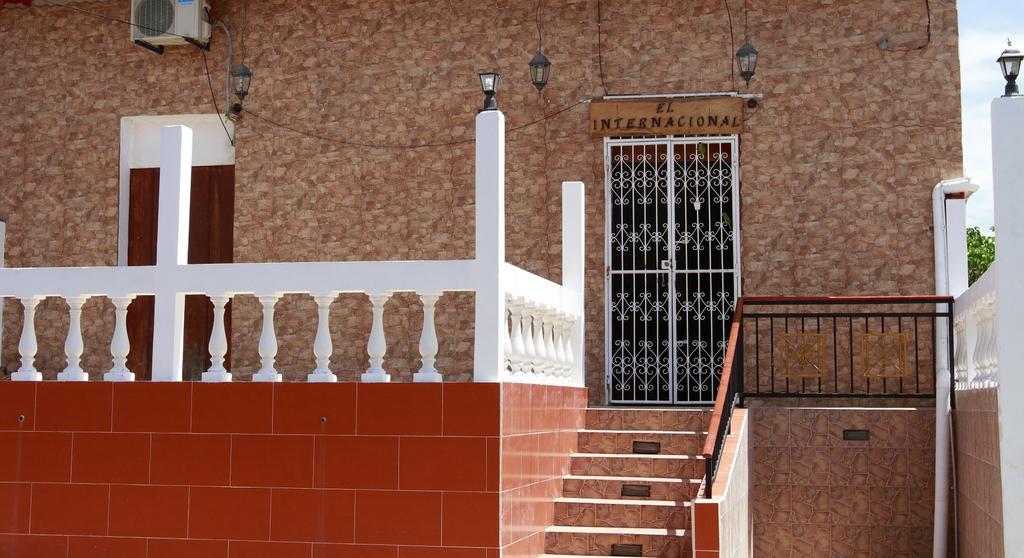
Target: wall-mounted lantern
{"type": "Point", "coordinates": [489, 82]}
{"type": "Point", "coordinates": [540, 67]}
{"type": "Point", "coordinates": [241, 77]}
{"type": "Point", "coordinates": [746, 57]}
{"type": "Point", "coordinates": [1009, 63]}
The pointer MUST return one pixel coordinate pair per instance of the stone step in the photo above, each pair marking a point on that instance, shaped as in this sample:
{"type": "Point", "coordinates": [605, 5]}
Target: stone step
{"type": "Point", "coordinates": [632, 418]}
{"type": "Point", "coordinates": [598, 512]}
{"type": "Point", "coordinates": [622, 441]}
{"type": "Point", "coordinates": [599, 541]}
{"type": "Point", "coordinates": [597, 486]}
{"type": "Point", "coordinates": [632, 465]}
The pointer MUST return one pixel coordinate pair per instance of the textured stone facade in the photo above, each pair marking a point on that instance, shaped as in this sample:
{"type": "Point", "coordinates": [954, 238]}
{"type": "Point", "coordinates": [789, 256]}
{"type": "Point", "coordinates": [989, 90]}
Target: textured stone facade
{"type": "Point", "coordinates": [838, 160]}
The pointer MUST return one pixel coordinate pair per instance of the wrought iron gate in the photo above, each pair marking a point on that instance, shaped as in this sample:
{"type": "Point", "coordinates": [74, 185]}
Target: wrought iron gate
{"type": "Point", "coordinates": [672, 253]}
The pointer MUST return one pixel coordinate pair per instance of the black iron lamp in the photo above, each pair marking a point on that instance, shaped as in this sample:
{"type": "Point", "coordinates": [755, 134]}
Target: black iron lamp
{"type": "Point", "coordinates": [489, 82]}
{"type": "Point", "coordinates": [540, 67]}
{"type": "Point", "coordinates": [746, 57]}
{"type": "Point", "coordinates": [242, 78]}
{"type": "Point", "coordinates": [1009, 63]}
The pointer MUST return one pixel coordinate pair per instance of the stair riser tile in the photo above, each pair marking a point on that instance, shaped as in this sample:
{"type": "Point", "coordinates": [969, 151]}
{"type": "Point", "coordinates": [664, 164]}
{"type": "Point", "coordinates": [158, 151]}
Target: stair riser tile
{"type": "Point", "coordinates": [633, 419]}
{"type": "Point", "coordinates": [589, 514]}
{"type": "Point", "coordinates": [671, 444]}
{"type": "Point", "coordinates": [591, 488]}
{"type": "Point", "coordinates": [598, 544]}
{"type": "Point", "coordinates": [638, 467]}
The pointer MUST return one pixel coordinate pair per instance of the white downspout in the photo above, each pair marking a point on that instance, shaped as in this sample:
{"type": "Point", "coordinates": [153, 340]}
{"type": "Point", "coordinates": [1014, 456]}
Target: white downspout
{"type": "Point", "coordinates": [947, 257]}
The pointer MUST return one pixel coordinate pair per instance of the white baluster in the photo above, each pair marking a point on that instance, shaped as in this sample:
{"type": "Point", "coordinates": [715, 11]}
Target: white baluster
{"type": "Point", "coordinates": [506, 341]}
{"type": "Point", "coordinates": [428, 342]}
{"type": "Point", "coordinates": [540, 360]}
{"type": "Point", "coordinates": [377, 345]}
{"type": "Point", "coordinates": [570, 355]}
{"type": "Point", "coordinates": [992, 374]}
{"type": "Point", "coordinates": [323, 347]}
{"type": "Point", "coordinates": [549, 342]}
{"type": "Point", "coordinates": [218, 343]}
{"type": "Point", "coordinates": [268, 342]}
{"type": "Point", "coordinates": [959, 360]}
{"type": "Point", "coordinates": [980, 337]}
{"type": "Point", "coordinates": [119, 343]}
{"type": "Point", "coordinates": [559, 340]}
{"type": "Point", "coordinates": [518, 345]}
{"type": "Point", "coordinates": [529, 347]}
{"type": "Point", "coordinates": [27, 346]}
{"type": "Point", "coordinates": [73, 345]}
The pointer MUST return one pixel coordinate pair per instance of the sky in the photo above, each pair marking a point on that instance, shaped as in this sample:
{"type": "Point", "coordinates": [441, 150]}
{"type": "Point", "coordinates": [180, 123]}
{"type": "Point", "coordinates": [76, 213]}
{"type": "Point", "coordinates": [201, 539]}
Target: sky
{"type": "Point", "coordinates": [985, 25]}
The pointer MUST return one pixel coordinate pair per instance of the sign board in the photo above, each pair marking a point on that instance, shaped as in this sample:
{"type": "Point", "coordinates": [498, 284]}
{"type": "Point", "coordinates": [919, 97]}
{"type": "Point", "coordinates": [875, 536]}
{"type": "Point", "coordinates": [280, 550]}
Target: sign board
{"type": "Point", "coordinates": [665, 117]}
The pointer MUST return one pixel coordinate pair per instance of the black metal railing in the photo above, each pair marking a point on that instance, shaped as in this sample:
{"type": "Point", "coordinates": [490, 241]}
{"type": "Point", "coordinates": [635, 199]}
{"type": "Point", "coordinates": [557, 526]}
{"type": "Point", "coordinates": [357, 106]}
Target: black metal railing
{"type": "Point", "coordinates": [840, 347]}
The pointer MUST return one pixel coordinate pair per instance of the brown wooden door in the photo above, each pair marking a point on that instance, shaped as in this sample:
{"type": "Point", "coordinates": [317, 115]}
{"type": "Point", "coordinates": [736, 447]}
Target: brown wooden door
{"type": "Point", "coordinates": [211, 240]}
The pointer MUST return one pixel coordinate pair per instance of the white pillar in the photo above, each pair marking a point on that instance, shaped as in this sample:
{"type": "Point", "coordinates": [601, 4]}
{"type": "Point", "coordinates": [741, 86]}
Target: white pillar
{"type": "Point", "coordinates": [323, 347]}
{"type": "Point", "coordinates": [218, 343]}
{"type": "Point", "coordinates": [119, 343]}
{"type": "Point", "coordinates": [268, 342]}
{"type": "Point", "coordinates": [171, 250]}
{"type": "Point", "coordinates": [1008, 184]}
{"type": "Point", "coordinates": [377, 344]}
{"type": "Point", "coordinates": [488, 357]}
{"type": "Point", "coordinates": [27, 347]}
{"type": "Point", "coordinates": [428, 342]}
{"type": "Point", "coordinates": [573, 258]}
{"type": "Point", "coordinates": [73, 345]}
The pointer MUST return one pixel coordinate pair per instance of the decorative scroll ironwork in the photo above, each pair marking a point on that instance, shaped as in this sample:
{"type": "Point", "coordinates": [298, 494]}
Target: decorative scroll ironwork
{"type": "Point", "coordinates": [885, 355]}
{"type": "Point", "coordinates": [802, 355]}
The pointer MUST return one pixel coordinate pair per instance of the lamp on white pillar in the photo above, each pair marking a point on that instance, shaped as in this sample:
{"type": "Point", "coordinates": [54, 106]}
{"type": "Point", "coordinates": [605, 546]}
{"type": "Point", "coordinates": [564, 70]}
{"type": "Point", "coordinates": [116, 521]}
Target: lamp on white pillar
{"type": "Point", "coordinates": [27, 346]}
{"type": "Point", "coordinates": [218, 343]}
{"type": "Point", "coordinates": [377, 345]}
{"type": "Point", "coordinates": [268, 342]}
{"type": "Point", "coordinates": [120, 346]}
{"type": "Point", "coordinates": [428, 342]}
{"type": "Point", "coordinates": [73, 345]}
{"type": "Point", "coordinates": [323, 347]}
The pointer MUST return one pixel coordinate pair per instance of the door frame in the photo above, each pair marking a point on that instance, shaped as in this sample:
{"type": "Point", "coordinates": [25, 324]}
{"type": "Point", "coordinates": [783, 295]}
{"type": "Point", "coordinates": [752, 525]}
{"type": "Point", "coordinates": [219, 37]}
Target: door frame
{"type": "Point", "coordinates": [737, 251]}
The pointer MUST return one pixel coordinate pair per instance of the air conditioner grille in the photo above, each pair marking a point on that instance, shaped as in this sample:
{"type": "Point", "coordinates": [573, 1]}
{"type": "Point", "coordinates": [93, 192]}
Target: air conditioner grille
{"type": "Point", "coordinates": [154, 17]}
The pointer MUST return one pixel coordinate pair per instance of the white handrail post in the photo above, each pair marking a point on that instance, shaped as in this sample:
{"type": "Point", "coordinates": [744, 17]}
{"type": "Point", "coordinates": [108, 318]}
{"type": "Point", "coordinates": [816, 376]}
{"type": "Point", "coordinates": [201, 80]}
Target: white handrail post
{"type": "Point", "coordinates": [377, 344]}
{"type": "Point", "coordinates": [268, 342]}
{"type": "Point", "coordinates": [28, 346]}
{"type": "Point", "coordinates": [1008, 191]}
{"type": "Point", "coordinates": [323, 347]}
{"type": "Point", "coordinates": [73, 345]}
{"type": "Point", "coordinates": [120, 345]}
{"type": "Point", "coordinates": [573, 262]}
{"type": "Point", "coordinates": [428, 342]}
{"type": "Point", "coordinates": [171, 250]}
{"type": "Point", "coordinates": [488, 353]}
{"type": "Point", "coordinates": [218, 343]}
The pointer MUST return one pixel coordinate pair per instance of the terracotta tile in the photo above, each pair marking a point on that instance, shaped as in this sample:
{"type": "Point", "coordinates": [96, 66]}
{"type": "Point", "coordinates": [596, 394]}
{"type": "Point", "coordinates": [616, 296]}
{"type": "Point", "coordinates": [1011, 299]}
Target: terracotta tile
{"type": "Point", "coordinates": [152, 406]}
{"type": "Point", "coordinates": [848, 466]}
{"type": "Point", "coordinates": [149, 511]}
{"type": "Point", "coordinates": [252, 549]}
{"type": "Point", "coordinates": [191, 548]}
{"type": "Point", "coordinates": [35, 456]}
{"type": "Point", "coordinates": [706, 554]}
{"type": "Point", "coordinates": [773, 539]}
{"type": "Point", "coordinates": [105, 547]}
{"type": "Point", "coordinates": [234, 407]}
{"type": "Point", "coordinates": [69, 509]}
{"type": "Point", "coordinates": [515, 409]}
{"type": "Point", "coordinates": [413, 409]}
{"type": "Point", "coordinates": [229, 513]}
{"type": "Point", "coordinates": [770, 465]}
{"type": "Point", "coordinates": [810, 540]}
{"type": "Point", "coordinates": [810, 505]}
{"type": "Point", "coordinates": [771, 504]}
{"type": "Point", "coordinates": [312, 515]}
{"type": "Point", "coordinates": [890, 541]}
{"type": "Point", "coordinates": [470, 519]}
{"type": "Point", "coordinates": [705, 526]}
{"type": "Point", "coordinates": [272, 460]}
{"type": "Point", "coordinates": [110, 458]}
{"type": "Point", "coordinates": [493, 463]}
{"type": "Point", "coordinates": [809, 466]}
{"type": "Point", "coordinates": [471, 409]}
{"type": "Point", "coordinates": [356, 462]}
{"type": "Point", "coordinates": [385, 517]}
{"type": "Point", "coordinates": [33, 546]}
{"type": "Point", "coordinates": [443, 464]}
{"type": "Point", "coordinates": [440, 552]}
{"type": "Point", "coordinates": [808, 427]}
{"type": "Point", "coordinates": [889, 506]}
{"type": "Point", "coordinates": [15, 500]}
{"type": "Point", "coordinates": [73, 406]}
{"type": "Point", "coordinates": [17, 399]}
{"type": "Point", "coordinates": [193, 459]}
{"type": "Point", "coordinates": [849, 505]}
{"type": "Point", "coordinates": [300, 406]}
{"type": "Point", "coordinates": [888, 467]}
{"type": "Point", "coordinates": [888, 428]}
{"type": "Point", "coordinates": [354, 551]}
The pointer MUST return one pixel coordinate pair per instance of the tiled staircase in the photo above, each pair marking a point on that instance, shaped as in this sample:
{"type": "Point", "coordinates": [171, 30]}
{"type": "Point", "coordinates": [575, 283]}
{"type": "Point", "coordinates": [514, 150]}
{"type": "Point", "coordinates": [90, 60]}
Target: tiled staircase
{"type": "Point", "coordinates": [630, 484]}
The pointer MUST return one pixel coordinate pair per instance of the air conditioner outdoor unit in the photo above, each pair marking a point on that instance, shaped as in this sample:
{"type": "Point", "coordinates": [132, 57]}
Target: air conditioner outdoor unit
{"type": "Point", "coordinates": [167, 22]}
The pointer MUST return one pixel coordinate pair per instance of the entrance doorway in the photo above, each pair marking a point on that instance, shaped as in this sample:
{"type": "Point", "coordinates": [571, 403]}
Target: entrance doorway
{"type": "Point", "coordinates": [210, 240]}
{"type": "Point", "coordinates": [672, 253]}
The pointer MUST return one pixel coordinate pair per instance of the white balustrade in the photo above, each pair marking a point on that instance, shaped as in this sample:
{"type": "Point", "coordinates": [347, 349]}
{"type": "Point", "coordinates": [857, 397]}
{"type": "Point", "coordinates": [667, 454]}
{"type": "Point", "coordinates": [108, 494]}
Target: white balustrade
{"type": "Point", "coordinates": [526, 328]}
{"type": "Point", "coordinates": [975, 334]}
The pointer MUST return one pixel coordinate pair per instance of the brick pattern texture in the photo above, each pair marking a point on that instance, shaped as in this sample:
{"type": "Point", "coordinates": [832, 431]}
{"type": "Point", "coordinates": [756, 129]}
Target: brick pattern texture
{"type": "Point", "coordinates": [838, 160]}
{"type": "Point", "coordinates": [979, 493]}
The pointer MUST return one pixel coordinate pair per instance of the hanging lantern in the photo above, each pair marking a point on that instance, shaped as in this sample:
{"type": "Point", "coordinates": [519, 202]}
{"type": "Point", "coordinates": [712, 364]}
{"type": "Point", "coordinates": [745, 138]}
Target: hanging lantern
{"type": "Point", "coordinates": [540, 67]}
{"type": "Point", "coordinates": [241, 75]}
{"type": "Point", "coordinates": [746, 56]}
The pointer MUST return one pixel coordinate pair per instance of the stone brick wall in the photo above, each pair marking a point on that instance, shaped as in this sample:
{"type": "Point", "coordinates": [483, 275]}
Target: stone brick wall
{"type": "Point", "coordinates": [816, 494]}
{"type": "Point", "coordinates": [838, 160]}
{"type": "Point", "coordinates": [979, 494]}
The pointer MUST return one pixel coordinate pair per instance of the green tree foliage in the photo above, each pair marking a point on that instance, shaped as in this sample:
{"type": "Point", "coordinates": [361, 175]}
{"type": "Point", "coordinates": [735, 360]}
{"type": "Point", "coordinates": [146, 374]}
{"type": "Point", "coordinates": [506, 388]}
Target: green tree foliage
{"type": "Point", "coordinates": [981, 251]}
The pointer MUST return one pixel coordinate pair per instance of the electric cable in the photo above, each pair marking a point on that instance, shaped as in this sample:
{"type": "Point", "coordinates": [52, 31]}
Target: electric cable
{"type": "Point", "coordinates": [732, 47]}
{"type": "Point", "coordinates": [213, 97]}
{"type": "Point", "coordinates": [600, 55]}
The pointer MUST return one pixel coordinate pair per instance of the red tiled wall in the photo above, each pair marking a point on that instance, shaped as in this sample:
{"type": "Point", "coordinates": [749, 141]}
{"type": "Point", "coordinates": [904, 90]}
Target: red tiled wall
{"type": "Point", "coordinates": [539, 430]}
{"type": "Point", "coordinates": [249, 470]}
{"type": "Point", "coordinates": [979, 495]}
